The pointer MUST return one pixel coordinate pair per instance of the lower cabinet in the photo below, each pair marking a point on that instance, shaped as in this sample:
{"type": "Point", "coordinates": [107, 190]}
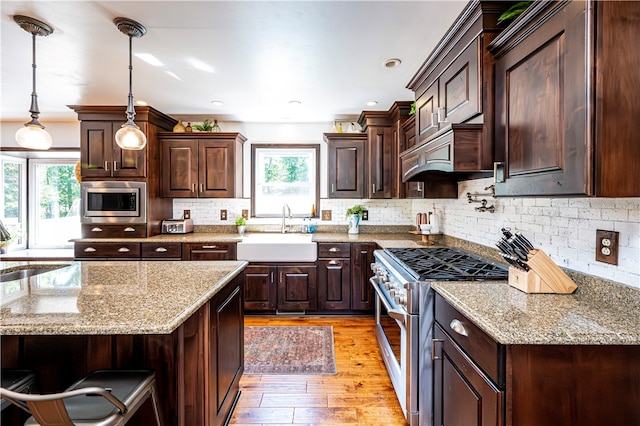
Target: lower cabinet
{"type": "Point", "coordinates": [478, 381]}
{"type": "Point", "coordinates": [334, 284]}
{"type": "Point", "coordinates": [281, 287]}
{"type": "Point", "coordinates": [154, 251]}
{"type": "Point", "coordinates": [362, 297]}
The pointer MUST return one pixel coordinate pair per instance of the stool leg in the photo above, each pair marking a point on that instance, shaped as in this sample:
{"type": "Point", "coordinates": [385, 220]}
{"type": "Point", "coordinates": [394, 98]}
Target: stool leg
{"type": "Point", "coordinates": [156, 405]}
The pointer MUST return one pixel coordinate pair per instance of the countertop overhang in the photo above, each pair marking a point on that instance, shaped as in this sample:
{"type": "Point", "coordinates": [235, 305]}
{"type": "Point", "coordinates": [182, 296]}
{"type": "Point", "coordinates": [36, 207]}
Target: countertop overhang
{"type": "Point", "coordinates": [110, 297]}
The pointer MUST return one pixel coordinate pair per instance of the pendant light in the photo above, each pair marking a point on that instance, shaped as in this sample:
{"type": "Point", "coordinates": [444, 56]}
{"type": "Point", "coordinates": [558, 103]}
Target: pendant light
{"type": "Point", "coordinates": [33, 135]}
{"type": "Point", "coordinates": [130, 136]}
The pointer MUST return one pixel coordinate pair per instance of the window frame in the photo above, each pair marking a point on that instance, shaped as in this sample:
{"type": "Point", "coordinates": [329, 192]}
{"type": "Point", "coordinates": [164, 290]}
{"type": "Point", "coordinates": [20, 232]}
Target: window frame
{"type": "Point", "coordinates": [284, 147]}
{"type": "Point", "coordinates": [23, 192]}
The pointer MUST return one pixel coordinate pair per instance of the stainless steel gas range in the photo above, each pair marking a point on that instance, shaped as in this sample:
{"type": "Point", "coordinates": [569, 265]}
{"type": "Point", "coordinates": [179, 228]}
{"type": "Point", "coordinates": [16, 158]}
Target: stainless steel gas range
{"type": "Point", "coordinates": [404, 315]}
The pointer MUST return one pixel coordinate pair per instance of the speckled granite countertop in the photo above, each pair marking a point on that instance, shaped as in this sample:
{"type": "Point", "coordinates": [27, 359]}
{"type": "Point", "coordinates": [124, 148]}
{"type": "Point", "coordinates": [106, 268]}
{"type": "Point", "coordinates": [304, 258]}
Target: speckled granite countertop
{"type": "Point", "coordinates": [94, 297]}
{"type": "Point", "coordinates": [596, 314]}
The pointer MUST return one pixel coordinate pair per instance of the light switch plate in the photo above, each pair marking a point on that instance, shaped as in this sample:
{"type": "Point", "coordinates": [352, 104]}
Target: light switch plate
{"type": "Point", "coordinates": [223, 215]}
{"type": "Point", "coordinates": [326, 214]}
{"type": "Point", "coordinates": [607, 246]}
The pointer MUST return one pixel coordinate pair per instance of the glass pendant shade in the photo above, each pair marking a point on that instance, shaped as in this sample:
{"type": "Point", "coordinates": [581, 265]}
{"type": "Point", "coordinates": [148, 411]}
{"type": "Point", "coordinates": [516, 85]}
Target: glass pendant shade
{"type": "Point", "coordinates": [129, 136]}
{"type": "Point", "coordinates": [34, 137]}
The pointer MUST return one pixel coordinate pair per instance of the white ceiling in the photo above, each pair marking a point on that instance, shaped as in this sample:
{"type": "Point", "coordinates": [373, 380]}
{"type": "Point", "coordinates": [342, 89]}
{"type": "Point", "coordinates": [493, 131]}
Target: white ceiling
{"type": "Point", "coordinates": [261, 55]}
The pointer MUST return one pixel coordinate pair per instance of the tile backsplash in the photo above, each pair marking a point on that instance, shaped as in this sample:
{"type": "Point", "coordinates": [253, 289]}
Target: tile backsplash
{"type": "Point", "coordinates": [565, 228]}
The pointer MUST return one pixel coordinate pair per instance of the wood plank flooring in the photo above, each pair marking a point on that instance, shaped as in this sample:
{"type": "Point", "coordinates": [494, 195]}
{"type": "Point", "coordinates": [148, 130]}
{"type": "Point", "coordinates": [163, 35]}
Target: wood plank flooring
{"type": "Point", "coordinates": [360, 394]}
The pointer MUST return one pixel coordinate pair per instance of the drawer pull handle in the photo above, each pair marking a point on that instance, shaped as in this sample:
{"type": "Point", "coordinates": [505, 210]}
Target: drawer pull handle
{"type": "Point", "coordinates": [458, 327]}
{"type": "Point", "coordinates": [193, 186]}
{"type": "Point", "coordinates": [433, 349]}
{"type": "Point", "coordinates": [161, 250]}
{"type": "Point", "coordinates": [106, 166]}
{"type": "Point", "coordinates": [115, 166]}
{"type": "Point", "coordinates": [209, 247]}
{"type": "Point", "coordinates": [334, 262]}
{"type": "Point", "coordinates": [123, 250]}
{"type": "Point", "coordinates": [129, 229]}
{"type": "Point", "coordinates": [96, 229]}
{"type": "Point", "coordinates": [334, 250]}
{"type": "Point", "coordinates": [89, 250]}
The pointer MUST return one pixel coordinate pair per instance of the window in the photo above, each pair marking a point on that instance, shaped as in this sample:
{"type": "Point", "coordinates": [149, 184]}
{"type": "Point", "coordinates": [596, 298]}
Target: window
{"type": "Point", "coordinates": [285, 174]}
{"type": "Point", "coordinates": [54, 203]}
{"type": "Point", "coordinates": [13, 203]}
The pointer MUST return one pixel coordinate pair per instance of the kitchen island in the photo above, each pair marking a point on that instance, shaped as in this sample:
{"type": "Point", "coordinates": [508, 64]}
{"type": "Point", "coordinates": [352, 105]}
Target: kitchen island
{"type": "Point", "coordinates": [182, 319]}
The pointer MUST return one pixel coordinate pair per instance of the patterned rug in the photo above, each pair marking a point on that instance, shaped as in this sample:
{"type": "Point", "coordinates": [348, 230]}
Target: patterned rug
{"type": "Point", "coordinates": [289, 350]}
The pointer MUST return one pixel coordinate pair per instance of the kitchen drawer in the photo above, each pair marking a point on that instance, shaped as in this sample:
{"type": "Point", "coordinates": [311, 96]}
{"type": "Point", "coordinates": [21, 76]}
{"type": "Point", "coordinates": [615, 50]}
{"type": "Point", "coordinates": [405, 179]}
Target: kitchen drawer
{"type": "Point", "coordinates": [161, 250]}
{"type": "Point", "coordinates": [137, 230]}
{"type": "Point", "coordinates": [209, 251]}
{"type": "Point", "coordinates": [334, 250]}
{"type": "Point", "coordinates": [486, 352]}
{"type": "Point", "coordinates": [107, 250]}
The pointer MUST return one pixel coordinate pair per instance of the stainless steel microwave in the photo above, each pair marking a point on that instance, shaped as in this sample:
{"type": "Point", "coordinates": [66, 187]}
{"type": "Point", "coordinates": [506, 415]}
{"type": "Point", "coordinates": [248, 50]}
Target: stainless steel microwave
{"type": "Point", "coordinates": [114, 202]}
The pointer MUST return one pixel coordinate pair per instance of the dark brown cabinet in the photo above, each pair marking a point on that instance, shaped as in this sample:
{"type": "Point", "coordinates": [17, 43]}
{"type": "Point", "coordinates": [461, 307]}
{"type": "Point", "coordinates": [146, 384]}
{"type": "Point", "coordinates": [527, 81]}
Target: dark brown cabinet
{"type": "Point", "coordinates": [281, 287]}
{"type": "Point", "coordinates": [377, 126]}
{"type": "Point", "coordinates": [411, 189]}
{"type": "Point", "coordinates": [133, 230]}
{"type": "Point", "coordinates": [566, 100]}
{"type": "Point", "coordinates": [453, 88]}
{"type": "Point", "coordinates": [104, 251]}
{"type": "Point", "coordinates": [334, 276]}
{"type": "Point", "coordinates": [161, 251]}
{"type": "Point", "coordinates": [297, 288]}
{"type": "Point", "coordinates": [260, 289]}
{"type": "Point", "coordinates": [202, 165]}
{"type": "Point", "coordinates": [478, 381]}
{"type": "Point", "coordinates": [362, 297]}
{"type": "Point", "coordinates": [347, 164]}
{"type": "Point", "coordinates": [209, 251]}
{"type": "Point", "coordinates": [226, 343]}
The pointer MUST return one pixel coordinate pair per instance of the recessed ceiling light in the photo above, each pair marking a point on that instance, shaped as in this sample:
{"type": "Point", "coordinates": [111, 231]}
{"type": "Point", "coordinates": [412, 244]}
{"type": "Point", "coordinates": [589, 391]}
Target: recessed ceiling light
{"type": "Point", "coordinates": [372, 103]}
{"type": "Point", "coordinates": [217, 103]}
{"type": "Point", "coordinates": [150, 59]}
{"type": "Point", "coordinates": [392, 63]}
{"type": "Point", "coordinates": [141, 103]}
{"type": "Point", "coordinates": [295, 103]}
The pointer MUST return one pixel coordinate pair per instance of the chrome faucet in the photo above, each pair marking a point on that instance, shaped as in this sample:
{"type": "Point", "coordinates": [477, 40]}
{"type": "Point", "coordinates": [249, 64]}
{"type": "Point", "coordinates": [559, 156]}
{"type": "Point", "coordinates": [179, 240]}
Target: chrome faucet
{"type": "Point", "coordinates": [287, 209]}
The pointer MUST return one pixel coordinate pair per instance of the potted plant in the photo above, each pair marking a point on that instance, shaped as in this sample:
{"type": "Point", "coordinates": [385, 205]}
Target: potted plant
{"type": "Point", "coordinates": [206, 126]}
{"type": "Point", "coordinates": [354, 215]}
{"type": "Point", "coordinates": [241, 224]}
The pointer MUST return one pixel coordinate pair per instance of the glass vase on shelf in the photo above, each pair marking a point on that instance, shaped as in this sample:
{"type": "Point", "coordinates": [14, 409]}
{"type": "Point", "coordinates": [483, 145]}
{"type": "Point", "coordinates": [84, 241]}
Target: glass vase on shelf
{"type": "Point", "coordinates": [216, 127]}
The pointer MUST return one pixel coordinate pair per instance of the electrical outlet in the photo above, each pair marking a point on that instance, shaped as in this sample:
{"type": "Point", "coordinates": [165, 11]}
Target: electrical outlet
{"type": "Point", "coordinates": [365, 215]}
{"type": "Point", "coordinates": [326, 214]}
{"type": "Point", "coordinates": [223, 215]}
{"type": "Point", "coordinates": [245, 214]}
{"type": "Point", "coordinates": [607, 246]}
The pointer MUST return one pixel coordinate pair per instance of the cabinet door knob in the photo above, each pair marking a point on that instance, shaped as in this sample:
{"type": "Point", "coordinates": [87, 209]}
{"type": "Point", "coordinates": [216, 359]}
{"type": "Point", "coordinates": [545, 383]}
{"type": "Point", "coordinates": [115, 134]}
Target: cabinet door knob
{"type": "Point", "coordinates": [129, 229]}
{"type": "Point", "coordinates": [373, 187]}
{"type": "Point", "coordinates": [96, 229]}
{"type": "Point", "coordinates": [193, 186]}
{"type": "Point", "coordinates": [106, 166]}
{"type": "Point", "coordinates": [123, 250]}
{"type": "Point", "coordinates": [89, 250]}
{"type": "Point", "coordinates": [161, 250]}
{"type": "Point", "coordinates": [458, 327]}
{"type": "Point", "coordinates": [202, 187]}
{"type": "Point", "coordinates": [115, 166]}
{"type": "Point", "coordinates": [333, 188]}
{"type": "Point", "coordinates": [334, 249]}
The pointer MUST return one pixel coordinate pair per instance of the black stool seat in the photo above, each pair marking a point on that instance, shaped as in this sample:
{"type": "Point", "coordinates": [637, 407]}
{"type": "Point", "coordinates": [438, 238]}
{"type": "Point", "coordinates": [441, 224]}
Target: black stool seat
{"type": "Point", "coordinates": [22, 381]}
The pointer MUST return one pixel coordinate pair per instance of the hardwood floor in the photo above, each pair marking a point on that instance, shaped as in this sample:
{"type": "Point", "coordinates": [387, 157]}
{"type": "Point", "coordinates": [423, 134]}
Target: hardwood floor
{"type": "Point", "coordinates": [360, 394]}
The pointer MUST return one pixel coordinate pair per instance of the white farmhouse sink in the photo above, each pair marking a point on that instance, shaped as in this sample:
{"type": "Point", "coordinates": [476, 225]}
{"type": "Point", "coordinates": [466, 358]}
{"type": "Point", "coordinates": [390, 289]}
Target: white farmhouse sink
{"type": "Point", "coordinates": [263, 247]}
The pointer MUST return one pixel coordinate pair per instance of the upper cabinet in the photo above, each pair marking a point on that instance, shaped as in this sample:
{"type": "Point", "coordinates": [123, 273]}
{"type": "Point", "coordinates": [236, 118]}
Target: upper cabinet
{"type": "Point", "coordinates": [202, 165]}
{"type": "Point", "coordinates": [347, 162]}
{"type": "Point", "coordinates": [377, 126]}
{"type": "Point", "coordinates": [454, 93]}
{"type": "Point", "coordinates": [101, 157]}
{"type": "Point", "coordinates": [567, 100]}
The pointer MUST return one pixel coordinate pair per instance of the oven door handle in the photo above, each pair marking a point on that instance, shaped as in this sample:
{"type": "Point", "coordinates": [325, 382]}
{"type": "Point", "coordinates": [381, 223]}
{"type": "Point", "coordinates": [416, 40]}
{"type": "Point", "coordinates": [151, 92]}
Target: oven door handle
{"type": "Point", "coordinates": [396, 314]}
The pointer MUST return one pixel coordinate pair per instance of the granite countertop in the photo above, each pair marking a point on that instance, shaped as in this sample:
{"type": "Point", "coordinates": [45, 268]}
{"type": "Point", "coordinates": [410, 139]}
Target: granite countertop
{"type": "Point", "coordinates": [596, 314]}
{"type": "Point", "coordinates": [103, 297]}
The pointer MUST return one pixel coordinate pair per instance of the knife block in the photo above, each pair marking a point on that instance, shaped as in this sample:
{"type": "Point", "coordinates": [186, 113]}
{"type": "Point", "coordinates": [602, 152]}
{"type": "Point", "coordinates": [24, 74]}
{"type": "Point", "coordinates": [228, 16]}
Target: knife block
{"type": "Point", "coordinates": [544, 276]}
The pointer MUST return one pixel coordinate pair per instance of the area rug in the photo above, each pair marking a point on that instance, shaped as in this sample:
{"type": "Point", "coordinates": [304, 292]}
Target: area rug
{"type": "Point", "coordinates": [289, 350]}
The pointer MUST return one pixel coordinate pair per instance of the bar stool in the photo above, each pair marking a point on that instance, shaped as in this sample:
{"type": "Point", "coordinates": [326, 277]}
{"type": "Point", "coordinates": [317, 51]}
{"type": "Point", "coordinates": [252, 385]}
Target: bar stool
{"type": "Point", "coordinates": [104, 398]}
{"type": "Point", "coordinates": [23, 381]}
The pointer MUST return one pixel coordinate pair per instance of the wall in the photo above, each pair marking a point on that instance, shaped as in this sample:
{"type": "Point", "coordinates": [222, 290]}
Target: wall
{"type": "Point", "coordinates": [565, 228]}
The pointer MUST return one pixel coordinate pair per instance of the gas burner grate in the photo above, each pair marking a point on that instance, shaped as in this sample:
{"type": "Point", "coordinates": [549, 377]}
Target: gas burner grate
{"type": "Point", "coordinates": [447, 264]}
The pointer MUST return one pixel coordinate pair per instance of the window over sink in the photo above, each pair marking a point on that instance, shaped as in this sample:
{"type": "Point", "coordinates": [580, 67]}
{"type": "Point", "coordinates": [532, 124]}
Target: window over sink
{"type": "Point", "coordinates": [284, 174]}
